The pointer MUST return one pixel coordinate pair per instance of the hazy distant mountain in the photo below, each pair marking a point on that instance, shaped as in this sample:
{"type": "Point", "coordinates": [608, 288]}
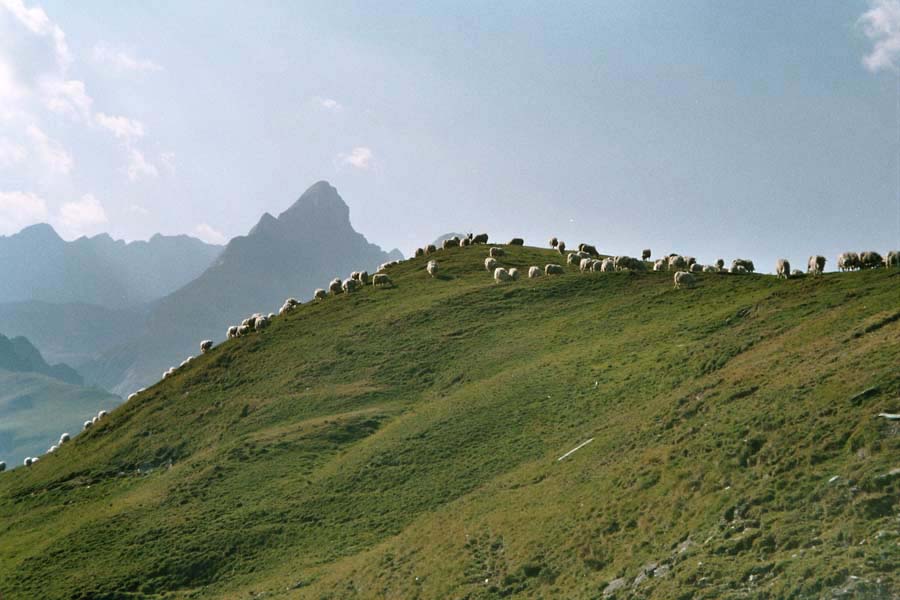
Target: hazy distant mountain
{"type": "Point", "coordinates": [73, 333]}
{"type": "Point", "coordinates": [20, 355]}
{"type": "Point", "coordinates": [307, 245]}
{"type": "Point", "coordinates": [36, 264]}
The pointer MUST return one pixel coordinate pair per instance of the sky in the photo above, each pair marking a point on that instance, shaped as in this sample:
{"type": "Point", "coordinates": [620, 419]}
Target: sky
{"type": "Point", "coordinates": [713, 129]}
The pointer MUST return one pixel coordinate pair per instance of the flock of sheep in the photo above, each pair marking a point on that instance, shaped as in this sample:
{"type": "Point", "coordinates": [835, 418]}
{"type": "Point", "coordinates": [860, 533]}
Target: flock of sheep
{"type": "Point", "coordinates": [586, 259]}
{"type": "Point", "coordinates": [63, 438]}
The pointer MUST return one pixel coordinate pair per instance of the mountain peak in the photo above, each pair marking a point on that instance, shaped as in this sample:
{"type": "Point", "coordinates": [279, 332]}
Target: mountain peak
{"type": "Point", "coordinates": [40, 231]}
{"type": "Point", "coordinates": [320, 202]}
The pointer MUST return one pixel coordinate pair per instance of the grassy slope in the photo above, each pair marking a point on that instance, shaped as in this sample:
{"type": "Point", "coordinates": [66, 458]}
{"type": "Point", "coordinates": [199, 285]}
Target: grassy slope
{"type": "Point", "coordinates": [35, 409]}
{"type": "Point", "coordinates": [403, 443]}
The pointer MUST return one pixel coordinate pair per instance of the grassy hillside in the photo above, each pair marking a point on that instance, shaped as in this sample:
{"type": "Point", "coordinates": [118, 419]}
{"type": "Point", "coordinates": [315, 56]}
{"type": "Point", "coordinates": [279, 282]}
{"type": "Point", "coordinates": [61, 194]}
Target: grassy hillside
{"type": "Point", "coordinates": [404, 443]}
{"type": "Point", "coordinates": [35, 409]}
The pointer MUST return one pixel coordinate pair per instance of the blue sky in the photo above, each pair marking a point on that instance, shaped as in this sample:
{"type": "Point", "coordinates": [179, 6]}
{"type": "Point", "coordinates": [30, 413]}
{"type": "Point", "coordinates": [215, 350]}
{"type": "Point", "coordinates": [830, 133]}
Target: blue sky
{"type": "Point", "coordinates": [727, 129]}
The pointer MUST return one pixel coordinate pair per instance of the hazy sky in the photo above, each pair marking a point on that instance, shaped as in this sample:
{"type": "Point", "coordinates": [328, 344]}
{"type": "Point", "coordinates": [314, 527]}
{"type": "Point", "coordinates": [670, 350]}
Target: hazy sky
{"type": "Point", "coordinates": [755, 129]}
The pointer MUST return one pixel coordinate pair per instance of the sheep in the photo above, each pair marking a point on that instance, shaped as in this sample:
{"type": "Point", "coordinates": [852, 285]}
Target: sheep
{"type": "Point", "coordinates": [591, 250]}
{"type": "Point", "coordinates": [683, 278]}
{"type": "Point", "coordinates": [739, 270]}
{"type": "Point", "coordinates": [364, 277]}
{"type": "Point", "coordinates": [261, 323]}
{"type": "Point", "coordinates": [205, 346]}
{"type": "Point", "coordinates": [553, 269]}
{"type": "Point", "coordinates": [28, 461]}
{"type": "Point", "coordinates": [710, 269]}
{"type": "Point", "coordinates": [572, 259]}
{"type": "Point", "coordinates": [514, 274]}
{"type": "Point", "coordinates": [797, 273]}
{"type": "Point", "coordinates": [596, 265]}
{"type": "Point", "coordinates": [320, 294]}
{"type": "Point", "coordinates": [232, 332]}
{"type": "Point", "coordinates": [621, 263]}
{"type": "Point", "coordinates": [2, 466]}
{"type": "Point", "coordinates": [696, 268]}
{"type": "Point", "coordinates": [870, 260]}
{"type": "Point", "coordinates": [381, 279]}
{"type": "Point", "coordinates": [466, 241]}
{"type": "Point", "coordinates": [645, 255]}
{"type": "Point", "coordinates": [429, 249]}
{"type": "Point", "coordinates": [133, 395]}
{"type": "Point", "coordinates": [553, 242]}
{"type": "Point", "coordinates": [250, 322]}
{"type": "Point", "coordinates": [661, 264]}
{"type": "Point", "coordinates": [848, 261]}
{"type": "Point", "coordinates": [50, 450]}
{"type": "Point", "coordinates": [816, 264]}
{"type": "Point", "coordinates": [501, 274]}
{"type": "Point", "coordinates": [87, 424]}
{"type": "Point", "coordinates": [608, 265]}
{"type": "Point", "coordinates": [496, 252]}
{"type": "Point", "coordinates": [677, 262]}
{"type": "Point", "coordinates": [350, 285]}
{"type": "Point", "coordinates": [171, 370]}
{"type": "Point", "coordinates": [335, 286]}
{"type": "Point", "coordinates": [63, 438]}
{"type": "Point", "coordinates": [742, 262]}
{"type": "Point", "coordinates": [95, 420]}
{"type": "Point", "coordinates": [432, 268]}
{"type": "Point", "coordinates": [102, 414]}
{"type": "Point", "coordinates": [490, 264]}
{"type": "Point", "coordinates": [585, 264]}
{"type": "Point", "coordinates": [782, 268]}
{"type": "Point", "coordinates": [289, 305]}
{"type": "Point", "coordinates": [481, 238]}
{"type": "Point", "coordinates": [420, 252]}
{"type": "Point", "coordinates": [892, 259]}
{"type": "Point", "coordinates": [516, 242]}
{"type": "Point", "coordinates": [450, 243]}
{"type": "Point", "coordinates": [243, 330]}
{"type": "Point", "coordinates": [561, 246]}
{"type": "Point", "coordinates": [691, 261]}
{"type": "Point", "coordinates": [534, 272]}
{"type": "Point", "coordinates": [720, 264]}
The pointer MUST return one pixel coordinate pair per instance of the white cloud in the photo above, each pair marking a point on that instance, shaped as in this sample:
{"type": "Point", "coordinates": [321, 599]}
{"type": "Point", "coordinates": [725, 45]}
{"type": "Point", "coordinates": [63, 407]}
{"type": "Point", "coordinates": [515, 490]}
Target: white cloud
{"type": "Point", "coordinates": [37, 22]}
{"type": "Point", "coordinates": [11, 153]}
{"type": "Point", "coordinates": [67, 98]}
{"type": "Point", "coordinates": [121, 60]}
{"type": "Point", "coordinates": [881, 24]}
{"type": "Point", "coordinates": [328, 104]}
{"type": "Point", "coordinates": [138, 210]}
{"type": "Point", "coordinates": [50, 151]}
{"type": "Point", "coordinates": [359, 158]}
{"type": "Point", "coordinates": [82, 216]}
{"type": "Point", "coordinates": [209, 235]}
{"type": "Point", "coordinates": [138, 166]}
{"type": "Point", "coordinates": [121, 127]}
{"type": "Point", "coordinates": [20, 209]}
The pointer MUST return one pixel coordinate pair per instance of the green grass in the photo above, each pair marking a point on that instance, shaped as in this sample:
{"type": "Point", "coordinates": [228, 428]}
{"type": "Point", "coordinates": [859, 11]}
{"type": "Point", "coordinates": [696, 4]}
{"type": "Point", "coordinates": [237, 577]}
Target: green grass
{"type": "Point", "coordinates": [403, 443]}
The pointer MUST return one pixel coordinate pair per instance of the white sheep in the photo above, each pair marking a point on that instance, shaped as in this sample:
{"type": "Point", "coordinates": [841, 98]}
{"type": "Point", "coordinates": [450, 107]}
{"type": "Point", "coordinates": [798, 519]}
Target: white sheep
{"type": "Point", "coordinates": [870, 259]}
{"type": "Point", "coordinates": [573, 259]}
{"type": "Point", "coordinates": [553, 242]}
{"type": "Point", "coordinates": [335, 286]}
{"type": "Point", "coordinates": [696, 268]}
{"type": "Point", "coordinates": [52, 449]}
{"type": "Point", "coordinates": [232, 332]}
{"type": "Point", "coordinates": [561, 247]}
{"type": "Point", "coordinates": [782, 268]}
{"type": "Point", "coordinates": [848, 261]}
{"type": "Point", "coordinates": [514, 274]}
{"type": "Point", "coordinates": [381, 279]}
{"type": "Point", "coordinates": [87, 424]}
{"type": "Point", "coordinates": [28, 461]}
{"type": "Point", "coordinates": [585, 264]}
{"type": "Point", "coordinates": [2, 466]}
{"type": "Point", "coordinates": [501, 274]}
{"type": "Point", "coordinates": [683, 278]}
{"type": "Point", "coordinates": [661, 264]}
{"type": "Point", "coordinates": [608, 265]}
{"type": "Point", "coordinates": [63, 438]}
{"type": "Point", "coordinates": [534, 272]}
{"type": "Point", "coordinates": [319, 294]}
{"type": "Point", "coordinates": [450, 243]}
{"type": "Point", "coordinates": [432, 268]}
{"type": "Point", "coordinates": [350, 285]}
{"type": "Point", "coordinates": [95, 420]}
{"type": "Point", "coordinates": [816, 264]}
{"type": "Point", "coordinates": [429, 249]}
{"type": "Point", "coordinates": [677, 262]}
{"type": "Point", "coordinates": [892, 259]}
{"type": "Point", "coordinates": [797, 273]}
{"type": "Point", "coordinates": [261, 323]}
{"type": "Point", "coordinates": [742, 262]}
{"type": "Point", "coordinates": [496, 252]}
{"type": "Point", "coordinates": [185, 362]}
{"type": "Point", "coordinates": [553, 269]}
{"type": "Point", "coordinates": [589, 249]}
{"type": "Point", "coordinates": [102, 414]}
{"type": "Point", "coordinates": [490, 264]}
{"type": "Point", "coordinates": [243, 330]}
{"type": "Point", "coordinates": [419, 252]}
{"type": "Point", "coordinates": [597, 265]}
{"type": "Point", "coordinates": [481, 238]}
{"type": "Point", "coordinates": [710, 269]}
{"type": "Point", "coordinates": [466, 241]}
{"type": "Point", "coordinates": [205, 346]}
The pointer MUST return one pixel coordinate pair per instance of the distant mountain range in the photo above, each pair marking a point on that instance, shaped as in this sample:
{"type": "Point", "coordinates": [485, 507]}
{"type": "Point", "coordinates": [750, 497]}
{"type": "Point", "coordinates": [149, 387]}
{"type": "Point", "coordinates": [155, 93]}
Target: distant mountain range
{"type": "Point", "coordinates": [20, 355]}
{"type": "Point", "coordinates": [303, 248]}
{"type": "Point", "coordinates": [37, 264]}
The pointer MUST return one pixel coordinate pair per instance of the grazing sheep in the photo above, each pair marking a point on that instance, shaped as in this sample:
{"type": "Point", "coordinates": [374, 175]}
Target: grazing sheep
{"type": "Point", "coordinates": [534, 272]}
{"type": "Point", "coordinates": [596, 265]}
{"type": "Point", "coordinates": [782, 268]}
{"type": "Point", "coordinates": [691, 261]}
{"type": "Point", "coordinates": [561, 246]}
{"type": "Point", "coordinates": [892, 259]}
{"type": "Point", "coordinates": [432, 268]}
{"type": "Point", "coordinates": [65, 437]}
{"type": "Point", "coordinates": [481, 238]}
{"type": "Point", "coordinates": [496, 252]}
{"type": "Point", "coordinates": [206, 346]}
{"type": "Point", "coordinates": [683, 278]}
{"type": "Point", "coordinates": [584, 264]}
{"type": "Point", "coordinates": [95, 420]}
{"type": "Point", "coordinates": [335, 286]}
{"type": "Point", "coordinates": [171, 370]}
{"type": "Point", "coordinates": [742, 262]}
{"type": "Point", "coordinates": [429, 249]}
{"type": "Point", "coordinates": [870, 260]}
{"type": "Point", "coordinates": [710, 269]}
{"type": "Point", "coordinates": [553, 269]}
{"type": "Point", "coordinates": [262, 322]}
{"type": "Point", "coordinates": [2, 466]}
{"type": "Point", "coordinates": [501, 274]}
{"type": "Point", "coordinates": [232, 332]}
{"type": "Point", "coordinates": [816, 265]}
{"type": "Point", "coordinates": [450, 243]}
{"type": "Point", "coordinates": [185, 362]}
{"type": "Point", "coordinates": [516, 242]}
{"type": "Point", "coordinates": [319, 294]}
{"type": "Point", "coordinates": [349, 285]}
{"type": "Point", "coordinates": [102, 414]}
{"type": "Point", "coordinates": [514, 274]}
{"type": "Point", "coordinates": [420, 252]}
{"type": "Point", "coordinates": [739, 270]}
{"type": "Point", "coordinates": [250, 322]}
{"type": "Point", "coordinates": [572, 259]}
{"type": "Point", "coordinates": [645, 255]}
{"type": "Point", "coordinates": [361, 276]}
{"type": "Point", "coordinates": [797, 273]}
{"type": "Point", "coordinates": [87, 424]}
{"type": "Point", "coordinates": [28, 461]}
{"type": "Point", "coordinates": [661, 264]}
{"type": "Point", "coordinates": [490, 264]}
{"type": "Point", "coordinates": [466, 241]}
{"type": "Point", "coordinates": [592, 250]}
{"type": "Point", "coordinates": [608, 265]}
{"type": "Point", "coordinates": [553, 242]}
{"type": "Point", "coordinates": [620, 263]}
{"type": "Point", "coordinates": [381, 279]}
{"type": "Point", "coordinates": [720, 264]}
{"type": "Point", "coordinates": [677, 262]}
{"type": "Point", "coordinates": [50, 450]}
{"type": "Point", "coordinates": [243, 330]}
{"type": "Point", "coordinates": [696, 268]}
{"type": "Point", "coordinates": [848, 261]}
